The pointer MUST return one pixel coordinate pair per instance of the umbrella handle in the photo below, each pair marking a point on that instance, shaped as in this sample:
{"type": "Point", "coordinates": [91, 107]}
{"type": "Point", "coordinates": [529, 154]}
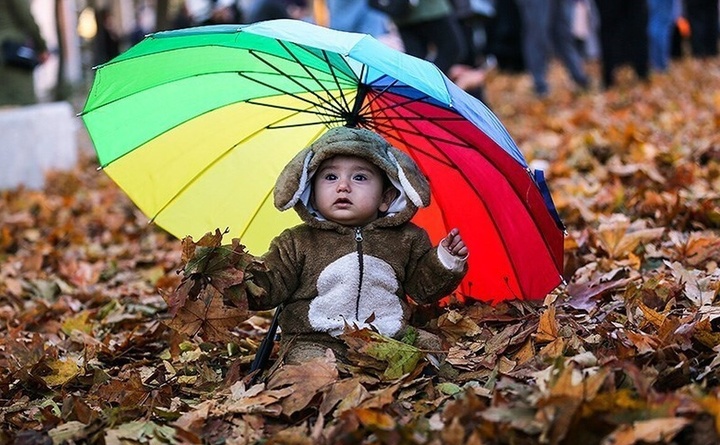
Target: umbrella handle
{"type": "Point", "coordinates": [266, 346]}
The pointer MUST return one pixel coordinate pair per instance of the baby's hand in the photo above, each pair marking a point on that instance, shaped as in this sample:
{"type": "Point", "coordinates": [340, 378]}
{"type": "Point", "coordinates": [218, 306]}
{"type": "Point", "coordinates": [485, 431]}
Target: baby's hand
{"type": "Point", "coordinates": [454, 244]}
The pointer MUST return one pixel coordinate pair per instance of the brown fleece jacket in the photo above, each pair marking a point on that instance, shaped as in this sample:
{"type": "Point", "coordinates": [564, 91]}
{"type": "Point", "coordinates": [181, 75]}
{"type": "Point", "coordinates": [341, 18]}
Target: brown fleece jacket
{"type": "Point", "coordinates": [327, 275]}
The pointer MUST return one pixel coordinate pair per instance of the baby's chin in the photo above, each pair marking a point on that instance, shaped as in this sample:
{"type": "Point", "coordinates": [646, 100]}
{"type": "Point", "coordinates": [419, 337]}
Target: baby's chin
{"type": "Point", "coordinates": [350, 221]}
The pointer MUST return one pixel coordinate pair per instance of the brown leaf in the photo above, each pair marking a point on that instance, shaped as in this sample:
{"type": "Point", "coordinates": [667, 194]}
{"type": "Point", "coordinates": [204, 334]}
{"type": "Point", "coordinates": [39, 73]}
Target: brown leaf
{"type": "Point", "coordinates": [548, 327]}
{"type": "Point", "coordinates": [349, 393]}
{"type": "Point", "coordinates": [305, 381]}
{"type": "Point", "coordinates": [619, 240]}
{"type": "Point", "coordinates": [374, 419]}
{"type": "Point", "coordinates": [211, 322]}
{"type": "Point", "coordinates": [648, 431]}
{"type": "Point", "coordinates": [128, 392]}
{"type": "Point", "coordinates": [455, 325]}
{"type": "Point", "coordinates": [583, 295]}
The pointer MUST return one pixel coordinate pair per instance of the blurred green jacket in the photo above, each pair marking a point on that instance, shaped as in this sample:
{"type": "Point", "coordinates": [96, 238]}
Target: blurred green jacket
{"type": "Point", "coordinates": [17, 23]}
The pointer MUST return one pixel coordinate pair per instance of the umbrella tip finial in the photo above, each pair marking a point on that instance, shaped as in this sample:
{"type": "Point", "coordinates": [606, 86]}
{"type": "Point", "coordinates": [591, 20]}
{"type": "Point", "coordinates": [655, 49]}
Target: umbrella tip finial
{"type": "Point", "coordinates": [353, 120]}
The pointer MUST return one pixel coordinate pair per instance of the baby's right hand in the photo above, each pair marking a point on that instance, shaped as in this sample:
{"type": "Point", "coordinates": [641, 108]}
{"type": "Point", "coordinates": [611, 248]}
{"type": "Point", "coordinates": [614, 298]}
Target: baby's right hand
{"type": "Point", "coordinates": [455, 244]}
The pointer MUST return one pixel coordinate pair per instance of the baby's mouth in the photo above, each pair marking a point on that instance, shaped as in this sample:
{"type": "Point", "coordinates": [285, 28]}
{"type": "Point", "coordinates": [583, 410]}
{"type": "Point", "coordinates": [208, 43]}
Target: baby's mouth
{"type": "Point", "coordinates": [342, 201]}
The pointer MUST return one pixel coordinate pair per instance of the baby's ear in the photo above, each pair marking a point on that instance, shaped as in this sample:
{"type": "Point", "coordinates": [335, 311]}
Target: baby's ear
{"type": "Point", "coordinates": [293, 181]}
{"type": "Point", "coordinates": [388, 197]}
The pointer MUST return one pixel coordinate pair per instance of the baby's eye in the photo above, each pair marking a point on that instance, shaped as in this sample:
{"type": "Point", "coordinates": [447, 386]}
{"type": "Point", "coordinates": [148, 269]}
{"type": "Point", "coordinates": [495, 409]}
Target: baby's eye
{"type": "Point", "coordinates": [330, 177]}
{"type": "Point", "coordinates": [360, 177]}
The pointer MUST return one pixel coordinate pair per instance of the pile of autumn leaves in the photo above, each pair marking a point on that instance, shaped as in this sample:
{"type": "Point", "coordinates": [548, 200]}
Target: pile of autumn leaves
{"type": "Point", "coordinates": [113, 331]}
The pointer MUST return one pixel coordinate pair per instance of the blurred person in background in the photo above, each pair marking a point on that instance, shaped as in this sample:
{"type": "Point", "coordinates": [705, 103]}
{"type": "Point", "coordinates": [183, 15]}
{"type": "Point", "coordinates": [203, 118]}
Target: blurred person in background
{"type": "Point", "coordinates": [430, 31]}
{"type": "Point", "coordinates": [661, 17]}
{"type": "Point", "coordinates": [623, 38]}
{"type": "Point", "coordinates": [504, 37]}
{"type": "Point", "coordinates": [471, 71]}
{"type": "Point", "coordinates": [106, 43]}
{"type": "Point", "coordinates": [357, 16]}
{"type": "Point", "coordinates": [702, 15]}
{"type": "Point", "coordinates": [260, 10]}
{"type": "Point", "coordinates": [547, 28]}
{"type": "Point", "coordinates": [212, 12]}
{"type": "Point", "coordinates": [145, 20]}
{"type": "Point", "coordinates": [17, 25]}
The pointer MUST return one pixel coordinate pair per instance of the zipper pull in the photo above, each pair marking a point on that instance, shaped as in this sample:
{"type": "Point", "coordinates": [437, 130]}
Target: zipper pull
{"type": "Point", "coordinates": [358, 234]}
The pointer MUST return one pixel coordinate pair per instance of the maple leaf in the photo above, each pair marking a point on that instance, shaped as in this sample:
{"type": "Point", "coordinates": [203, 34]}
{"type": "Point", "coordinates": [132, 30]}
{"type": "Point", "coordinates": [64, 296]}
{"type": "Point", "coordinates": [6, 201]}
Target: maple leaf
{"type": "Point", "coordinates": [619, 239]}
{"type": "Point", "coordinates": [392, 357]}
{"type": "Point", "coordinates": [548, 327]}
{"type": "Point", "coordinates": [701, 291]}
{"type": "Point", "coordinates": [210, 267]}
{"type": "Point", "coordinates": [62, 371]}
{"type": "Point", "coordinates": [661, 430]}
{"type": "Point", "coordinates": [209, 319]}
{"type": "Point", "coordinates": [305, 380]}
{"type": "Point", "coordinates": [125, 392]}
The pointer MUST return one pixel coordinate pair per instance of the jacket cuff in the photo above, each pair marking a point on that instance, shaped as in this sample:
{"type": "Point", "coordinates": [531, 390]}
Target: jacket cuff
{"type": "Point", "coordinates": [450, 261]}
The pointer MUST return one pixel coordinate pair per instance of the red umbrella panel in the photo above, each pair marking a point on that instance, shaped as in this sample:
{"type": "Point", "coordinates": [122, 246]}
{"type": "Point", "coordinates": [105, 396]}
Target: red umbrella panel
{"type": "Point", "coordinates": [515, 242]}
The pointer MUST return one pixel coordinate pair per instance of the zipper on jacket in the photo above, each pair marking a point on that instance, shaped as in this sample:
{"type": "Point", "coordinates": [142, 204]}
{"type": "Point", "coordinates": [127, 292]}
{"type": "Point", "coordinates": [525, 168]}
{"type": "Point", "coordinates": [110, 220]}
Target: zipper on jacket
{"type": "Point", "coordinates": [359, 240]}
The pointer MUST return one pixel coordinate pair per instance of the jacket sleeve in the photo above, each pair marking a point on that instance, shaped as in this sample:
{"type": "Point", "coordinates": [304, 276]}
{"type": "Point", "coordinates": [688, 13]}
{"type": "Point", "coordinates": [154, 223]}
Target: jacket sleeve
{"type": "Point", "coordinates": [427, 279]}
{"type": "Point", "coordinates": [282, 276]}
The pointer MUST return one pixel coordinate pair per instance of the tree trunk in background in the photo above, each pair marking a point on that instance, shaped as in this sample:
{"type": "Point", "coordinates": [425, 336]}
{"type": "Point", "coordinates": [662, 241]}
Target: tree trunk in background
{"type": "Point", "coordinates": [62, 87]}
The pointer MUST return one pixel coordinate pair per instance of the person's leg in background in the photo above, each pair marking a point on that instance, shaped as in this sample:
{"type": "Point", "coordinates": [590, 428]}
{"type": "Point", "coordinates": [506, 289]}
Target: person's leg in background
{"type": "Point", "coordinates": [535, 15]}
{"type": "Point", "coordinates": [637, 39]}
{"type": "Point", "coordinates": [660, 26]}
{"type": "Point", "coordinates": [561, 31]}
{"type": "Point", "coordinates": [611, 38]}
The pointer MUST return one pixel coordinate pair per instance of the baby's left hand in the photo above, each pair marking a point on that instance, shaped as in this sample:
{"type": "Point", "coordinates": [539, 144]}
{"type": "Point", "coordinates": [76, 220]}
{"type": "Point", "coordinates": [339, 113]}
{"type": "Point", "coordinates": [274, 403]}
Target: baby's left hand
{"type": "Point", "coordinates": [454, 244]}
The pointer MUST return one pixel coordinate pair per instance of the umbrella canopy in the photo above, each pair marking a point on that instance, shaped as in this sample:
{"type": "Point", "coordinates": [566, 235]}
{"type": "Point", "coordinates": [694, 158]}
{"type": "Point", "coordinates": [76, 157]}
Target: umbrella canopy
{"type": "Point", "coordinates": [195, 126]}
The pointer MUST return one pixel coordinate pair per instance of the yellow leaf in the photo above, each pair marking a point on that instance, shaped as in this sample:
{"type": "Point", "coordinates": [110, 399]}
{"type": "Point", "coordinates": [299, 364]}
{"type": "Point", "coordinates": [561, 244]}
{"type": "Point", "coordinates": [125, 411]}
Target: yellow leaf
{"type": "Point", "coordinates": [79, 322]}
{"type": "Point", "coordinates": [525, 354]}
{"type": "Point", "coordinates": [643, 342]}
{"type": "Point", "coordinates": [375, 418]}
{"type": "Point", "coordinates": [711, 403]}
{"type": "Point", "coordinates": [63, 372]}
{"type": "Point", "coordinates": [554, 349]}
{"type": "Point", "coordinates": [548, 327]}
{"type": "Point", "coordinates": [618, 241]}
{"type": "Point", "coordinates": [652, 316]}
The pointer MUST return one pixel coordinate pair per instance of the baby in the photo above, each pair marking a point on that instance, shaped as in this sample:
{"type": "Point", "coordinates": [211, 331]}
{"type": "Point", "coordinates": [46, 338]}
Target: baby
{"type": "Point", "coordinates": [356, 257]}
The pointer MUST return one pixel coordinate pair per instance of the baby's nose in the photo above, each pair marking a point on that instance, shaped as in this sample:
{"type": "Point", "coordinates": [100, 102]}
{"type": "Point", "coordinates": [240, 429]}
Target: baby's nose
{"type": "Point", "coordinates": [343, 185]}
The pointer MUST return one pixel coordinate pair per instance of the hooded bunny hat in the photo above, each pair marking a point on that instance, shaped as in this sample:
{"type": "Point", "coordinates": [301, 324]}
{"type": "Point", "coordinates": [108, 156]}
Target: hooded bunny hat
{"type": "Point", "coordinates": [293, 187]}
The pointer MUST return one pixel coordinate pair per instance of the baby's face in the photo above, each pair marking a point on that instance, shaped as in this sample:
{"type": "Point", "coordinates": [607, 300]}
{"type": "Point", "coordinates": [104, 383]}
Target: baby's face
{"type": "Point", "coordinates": [349, 190]}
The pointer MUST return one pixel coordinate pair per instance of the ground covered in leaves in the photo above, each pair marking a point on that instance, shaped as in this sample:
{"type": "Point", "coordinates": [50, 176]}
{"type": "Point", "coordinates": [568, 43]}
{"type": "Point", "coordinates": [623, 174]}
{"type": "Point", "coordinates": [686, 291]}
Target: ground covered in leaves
{"type": "Point", "coordinates": [100, 341]}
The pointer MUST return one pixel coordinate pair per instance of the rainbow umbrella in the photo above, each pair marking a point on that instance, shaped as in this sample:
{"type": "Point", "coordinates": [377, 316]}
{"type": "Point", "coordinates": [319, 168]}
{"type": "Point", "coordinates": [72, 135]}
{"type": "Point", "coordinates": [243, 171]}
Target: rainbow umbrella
{"type": "Point", "coordinates": [196, 124]}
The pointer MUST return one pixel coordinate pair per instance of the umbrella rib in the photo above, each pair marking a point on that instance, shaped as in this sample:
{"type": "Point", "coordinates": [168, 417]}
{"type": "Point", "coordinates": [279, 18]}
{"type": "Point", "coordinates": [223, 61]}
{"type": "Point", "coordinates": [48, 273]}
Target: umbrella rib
{"type": "Point", "coordinates": [324, 104]}
{"type": "Point", "coordinates": [376, 95]}
{"type": "Point", "coordinates": [325, 59]}
{"type": "Point", "coordinates": [332, 72]}
{"type": "Point", "coordinates": [378, 126]}
{"type": "Point", "coordinates": [307, 124]}
{"type": "Point", "coordinates": [299, 110]}
{"type": "Point", "coordinates": [245, 74]}
{"type": "Point", "coordinates": [335, 78]}
{"type": "Point", "coordinates": [331, 105]}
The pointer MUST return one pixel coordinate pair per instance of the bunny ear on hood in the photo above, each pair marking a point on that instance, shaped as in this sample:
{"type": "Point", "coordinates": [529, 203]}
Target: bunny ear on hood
{"type": "Point", "coordinates": [293, 186]}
